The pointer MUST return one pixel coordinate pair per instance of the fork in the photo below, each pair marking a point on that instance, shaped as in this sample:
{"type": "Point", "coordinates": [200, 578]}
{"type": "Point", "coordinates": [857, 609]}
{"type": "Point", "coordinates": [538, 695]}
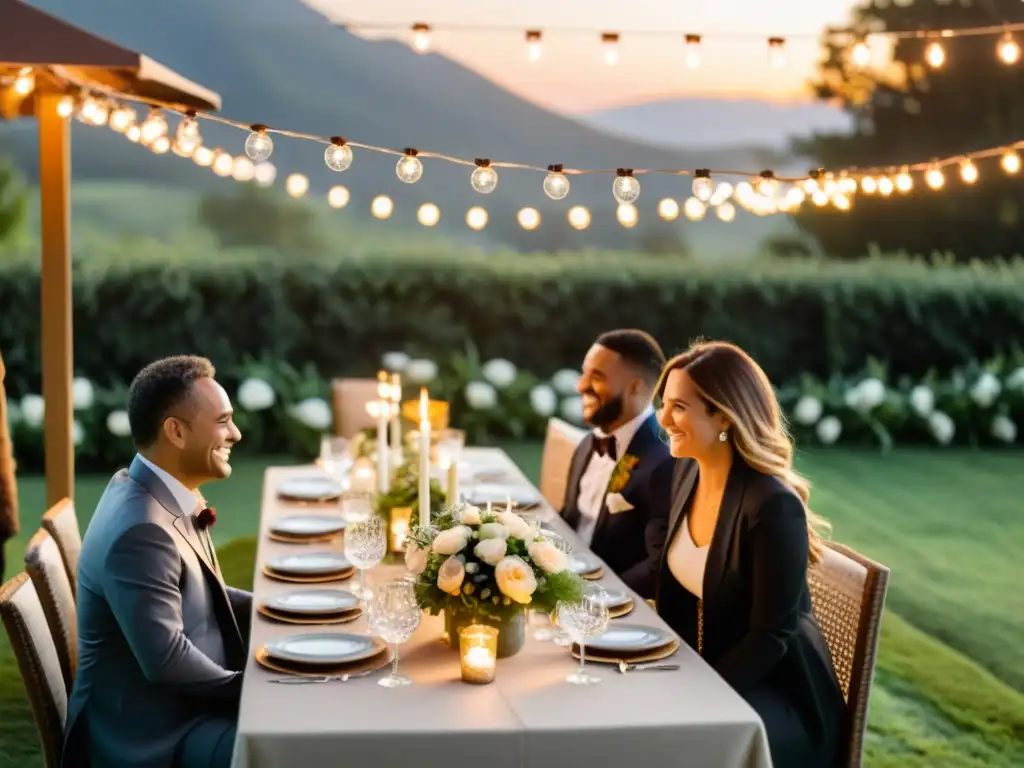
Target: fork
{"type": "Point", "coordinates": [624, 667]}
{"type": "Point", "coordinates": [298, 680]}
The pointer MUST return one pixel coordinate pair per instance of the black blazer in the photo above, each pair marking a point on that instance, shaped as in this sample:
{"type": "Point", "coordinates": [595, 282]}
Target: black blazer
{"type": "Point", "coordinates": [760, 633]}
{"type": "Point", "coordinates": [630, 542]}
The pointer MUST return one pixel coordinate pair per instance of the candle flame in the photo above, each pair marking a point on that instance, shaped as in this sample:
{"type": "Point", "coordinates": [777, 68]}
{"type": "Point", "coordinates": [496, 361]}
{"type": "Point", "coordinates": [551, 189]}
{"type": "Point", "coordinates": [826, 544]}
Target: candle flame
{"type": "Point", "coordinates": [373, 408]}
{"type": "Point", "coordinates": [383, 385]}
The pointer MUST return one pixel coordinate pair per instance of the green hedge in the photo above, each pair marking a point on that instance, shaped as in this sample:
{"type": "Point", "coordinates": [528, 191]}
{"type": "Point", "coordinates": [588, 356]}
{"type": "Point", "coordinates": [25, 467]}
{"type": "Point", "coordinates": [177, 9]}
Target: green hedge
{"type": "Point", "coordinates": [341, 313]}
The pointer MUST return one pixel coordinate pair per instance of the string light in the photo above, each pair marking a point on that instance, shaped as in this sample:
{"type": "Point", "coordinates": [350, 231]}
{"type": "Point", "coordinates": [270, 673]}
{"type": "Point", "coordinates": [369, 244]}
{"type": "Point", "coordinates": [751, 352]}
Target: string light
{"type": "Point", "coordinates": [904, 182]}
{"type": "Point", "coordinates": [203, 157]}
{"type": "Point", "coordinates": [259, 146]}
{"type": "Point", "coordinates": [726, 211]}
{"type": "Point", "coordinates": [409, 168]}
{"type": "Point", "coordinates": [153, 127]}
{"type": "Point", "coordinates": [65, 106]}
{"type": "Point", "coordinates": [428, 215]}
{"type": "Point", "coordinates": [338, 197]}
{"type": "Point", "coordinates": [295, 185]}
{"type": "Point", "coordinates": [24, 82]}
{"type": "Point", "coordinates": [694, 209]}
{"type": "Point", "coordinates": [934, 178]}
{"type": "Point", "coordinates": [421, 37]}
{"type": "Point", "coordinates": [692, 55]}
{"type": "Point", "coordinates": [776, 52]}
{"type": "Point", "coordinates": [579, 217]}
{"type": "Point", "coordinates": [484, 179]}
{"type": "Point", "coordinates": [265, 173]}
{"type": "Point", "coordinates": [625, 188]}
{"type": "Point", "coordinates": [610, 41]}
{"type": "Point", "coordinates": [533, 46]}
{"type": "Point", "coordinates": [885, 187]}
{"type": "Point", "coordinates": [968, 171]}
{"type": "Point", "coordinates": [382, 207]}
{"type": "Point", "coordinates": [160, 145]}
{"type": "Point", "coordinates": [627, 214]}
{"type": "Point", "coordinates": [722, 193]}
{"type": "Point", "coordinates": [242, 169]}
{"type": "Point", "coordinates": [338, 155]}
{"type": "Point", "coordinates": [1008, 50]}
{"type": "Point", "coordinates": [935, 54]}
{"type": "Point", "coordinates": [860, 54]}
{"type": "Point", "coordinates": [556, 185]}
{"type": "Point", "coordinates": [668, 209]}
{"type": "Point", "coordinates": [476, 218]}
{"type": "Point", "coordinates": [1010, 162]}
{"type": "Point", "coordinates": [529, 218]}
{"type": "Point", "coordinates": [702, 185]}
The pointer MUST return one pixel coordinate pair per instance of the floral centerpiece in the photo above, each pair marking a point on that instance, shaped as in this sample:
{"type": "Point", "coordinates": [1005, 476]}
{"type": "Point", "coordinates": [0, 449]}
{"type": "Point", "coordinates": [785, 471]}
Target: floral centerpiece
{"type": "Point", "coordinates": [487, 567]}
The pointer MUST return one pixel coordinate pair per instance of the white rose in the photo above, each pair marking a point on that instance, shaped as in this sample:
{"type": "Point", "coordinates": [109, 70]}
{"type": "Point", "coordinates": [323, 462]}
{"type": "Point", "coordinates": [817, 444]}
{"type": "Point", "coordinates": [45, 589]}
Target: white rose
{"type": "Point", "coordinates": [1016, 379]}
{"type": "Point", "coordinates": [395, 361]}
{"type": "Point", "coordinates": [421, 371]}
{"type": "Point", "coordinates": [118, 424]}
{"type": "Point", "coordinates": [543, 400]}
{"type": "Point", "coordinates": [807, 410]}
{"type": "Point", "coordinates": [829, 429]}
{"type": "Point", "coordinates": [33, 409]}
{"type": "Point", "coordinates": [942, 427]}
{"type": "Point", "coordinates": [452, 541]}
{"type": "Point", "coordinates": [450, 576]}
{"type": "Point", "coordinates": [480, 395]}
{"type": "Point", "coordinates": [870, 394]}
{"type": "Point", "coordinates": [491, 551]}
{"type": "Point", "coordinates": [470, 515]}
{"type": "Point", "coordinates": [77, 433]}
{"type": "Point", "coordinates": [82, 394]}
{"type": "Point", "coordinates": [1004, 429]}
{"type": "Point", "coordinates": [986, 389]}
{"type": "Point", "coordinates": [256, 395]}
{"type": "Point", "coordinates": [314, 412]}
{"type": "Point", "coordinates": [516, 526]}
{"type": "Point", "coordinates": [922, 400]}
{"type": "Point", "coordinates": [547, 557]}
{"type": "Point", "coordinates": [493, 531]}
{"type": "Point", "coordinates": [501, 373]}
{"type": "Point", "coordinates": [565, 381]}
{"type": "Point", "coordinates": [572, 409]}
{"type": "Point", "coordinates": [515, 579]}
{"type": "Point", "coordinates": [415, 558]}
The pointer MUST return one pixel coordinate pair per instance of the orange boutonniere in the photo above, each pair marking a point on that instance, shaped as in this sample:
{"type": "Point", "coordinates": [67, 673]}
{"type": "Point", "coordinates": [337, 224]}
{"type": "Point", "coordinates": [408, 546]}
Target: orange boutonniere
{"type": "Point", "coordinates": [623, 471]}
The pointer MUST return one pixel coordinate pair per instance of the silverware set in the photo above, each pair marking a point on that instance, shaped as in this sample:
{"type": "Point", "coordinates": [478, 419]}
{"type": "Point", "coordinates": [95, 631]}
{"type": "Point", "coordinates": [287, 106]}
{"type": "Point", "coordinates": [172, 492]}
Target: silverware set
{"type": "Point", "coordinates": [651, 667]}
{"type": "Point", "coordinates": [303, 680]}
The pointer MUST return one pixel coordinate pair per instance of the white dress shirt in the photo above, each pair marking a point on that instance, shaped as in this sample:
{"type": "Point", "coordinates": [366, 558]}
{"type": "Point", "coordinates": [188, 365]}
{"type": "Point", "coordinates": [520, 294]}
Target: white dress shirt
{"type": "Point", "coordinates": [187, 500]}
{"type": "Point", "coordinates": [598, 473]}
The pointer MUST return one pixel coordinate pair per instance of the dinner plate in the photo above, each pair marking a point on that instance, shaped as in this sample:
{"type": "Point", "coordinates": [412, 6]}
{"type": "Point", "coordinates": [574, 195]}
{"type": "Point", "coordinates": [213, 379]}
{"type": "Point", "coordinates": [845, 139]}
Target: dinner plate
{"type": "Point", "coordinates": [614, 597]}
{"type": "Point", "coordinates": [310, 563]}
{"type": "Point", "coordinates": [499, 494]}
{"type": "Point", "coordinates": [313, 601]}
{"type": "Point", "coordinates": [323, 648]}
{"type": "Point", "coordinates": [310, 488]}
{"type": "Point", "coordinates": [630, 638]}
{"type": "Point", "coordinates": [308, 525]}
{"type": "Point", "coordinates": [584, 562]}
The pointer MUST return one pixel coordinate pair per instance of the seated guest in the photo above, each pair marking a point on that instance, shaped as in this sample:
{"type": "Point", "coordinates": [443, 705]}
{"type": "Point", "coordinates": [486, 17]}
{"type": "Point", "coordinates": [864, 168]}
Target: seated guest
{"type": "Point", "coordinates": [621, 474]}
{"type": "Point", "coordinates": [733, 579]}
{"type": "Point", "coordinates": [162, 641]}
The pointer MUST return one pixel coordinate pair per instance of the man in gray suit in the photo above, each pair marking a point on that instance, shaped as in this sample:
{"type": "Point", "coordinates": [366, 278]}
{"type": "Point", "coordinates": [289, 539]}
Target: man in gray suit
{"type": "Point", "coordinates": [162, 641]}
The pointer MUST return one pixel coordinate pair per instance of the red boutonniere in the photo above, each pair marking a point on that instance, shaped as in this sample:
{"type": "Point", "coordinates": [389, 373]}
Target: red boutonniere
{"type": "Point", "coordinates": [206, 518]}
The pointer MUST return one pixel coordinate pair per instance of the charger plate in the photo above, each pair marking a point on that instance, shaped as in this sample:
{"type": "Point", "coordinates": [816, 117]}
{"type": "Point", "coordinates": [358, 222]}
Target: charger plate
{"type": "Point", "coordinates": [308, 620]}
{"type": "Point", "coordinates": [286, 539]}
{"type": "Point", "coordinates": [602, 657]}
{"type": "Point", "coordinates": [318, 579]}
{"type": "Point", "coordinates": [371, 664]}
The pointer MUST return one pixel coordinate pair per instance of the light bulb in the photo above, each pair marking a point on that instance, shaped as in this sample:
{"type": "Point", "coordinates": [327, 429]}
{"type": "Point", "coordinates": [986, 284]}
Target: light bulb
{"type": "Point", "coordinates": [968, 172]}
{"type": "Point", "coordinates": [627, 214]}
{"type": "Point", "coordinates": [338, 156]}
{"type": "Point", "coordinates": [692, 55]}
{"type": "Point", "coordinates": [382, 207]}
{"type": "Point", "coordinates": [694, 208]}
{"type": "Point", "coordinates": [25, 82]}
{"type": "Point", "coordinates": [203, 157]}
{"type": "Point", "coordinates": [65, 106]}
{"type": "Point", "coordinates": [223, 163]}
{"type": "Point", "coordinates": [409, 168]}
{"type": "Point", "coordinates": [1010, 162]}
{"type": "Point", "coordinates": [296, 185]}
{"type": "Point", "coordinates": [160, 145]}
{"type": "Point", "coordinates": [243, 169]}
{"type": "Point", "coordinates": [484, 179]}
{"type": "Point", "coordinates": [476, 218]}
{"type": "Point", "coordinates": [847, 184]}
{"type": "Point", "coordinates": [668, 209]}
{"type": "Point", "coordinates": [338, 197]}
{"type": "Point", "coordinates": [935, 54]}
{"type": "Point", "coordinates": [529, 218]}
{"type": "Point", "coordinates": [259, 146]}
{"type": "Point", "coordinates": [860, 54]}
{"type": "Point", "coordinates": [904, 181]}
{"type": "Point", "coordinates": [610, 40]}
{"type": "Point", "coordinates": [556, 183]}
{"type": "Point", "coordinates": [702, 186]}
{"type": "Point", "coordinates": [744, 193]}
{"type": "Point", "coordinates": [625, 188]}
{"type": "Point", "coordinates": [934, 178]}
{"type": "Point", "coordinates": [579, 217]}
{"type": "Point", "coordinates": [533, 47]}
{"type": "Point", "coordinates": [795, 196]}
{"type": "Point", "coordinates": [100, 114]}
{"type": "Point", "coordinates": [842, 202]}
{"type": "Point", "coordinates": [421, 37]}
{"type": "Point", "coordinates": [869, 185]}
{"type": "Point", "coordinates": [776, 52]}
{"type": "Point", "coordinates": [726, 212]}
{"type": "Point", "coordinates": [428, 215]}
{"type": "Point", "coordinates": [121, 118]}
{"type": "Point", "coordinates": [133, 133]}
{"type": "Point", "coordinates": [1008, 50]}
{"type": "Point", "coordinates": [722, 193]}
{"type": "Point", "coordinates": [187, 136]}
{"type": "Point", "coordinates": [820, 199]}
{"type": "Point", "coordinates": [153, 127]}
{"type": "Point", "coordinates": [885, 186]}
{"type": "Point", "coordinates": [265, 173]}
{"type": "Point", "coordinates": [766, 184]}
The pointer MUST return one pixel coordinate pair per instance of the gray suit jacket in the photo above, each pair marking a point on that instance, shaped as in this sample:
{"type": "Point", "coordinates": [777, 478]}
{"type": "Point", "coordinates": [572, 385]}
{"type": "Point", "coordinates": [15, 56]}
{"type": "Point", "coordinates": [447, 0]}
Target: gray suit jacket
{"type": "Point", "coordinates": [162, 642]}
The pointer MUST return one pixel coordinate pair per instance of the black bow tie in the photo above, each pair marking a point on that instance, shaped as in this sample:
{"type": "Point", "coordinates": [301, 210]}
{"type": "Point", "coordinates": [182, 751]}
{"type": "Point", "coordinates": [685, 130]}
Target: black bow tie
{"type": "Point", "coordinates": [605, 446]}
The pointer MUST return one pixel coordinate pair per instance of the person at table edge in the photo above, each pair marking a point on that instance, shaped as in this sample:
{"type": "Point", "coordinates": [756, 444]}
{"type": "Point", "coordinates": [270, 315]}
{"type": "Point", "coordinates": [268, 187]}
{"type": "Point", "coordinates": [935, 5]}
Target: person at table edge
{"type": "Point", "coordinates": [162, 640]}
{"type": "Point", "coordinates": [733, 576]}
{"type": "Point", "coordinates": [620, 478]}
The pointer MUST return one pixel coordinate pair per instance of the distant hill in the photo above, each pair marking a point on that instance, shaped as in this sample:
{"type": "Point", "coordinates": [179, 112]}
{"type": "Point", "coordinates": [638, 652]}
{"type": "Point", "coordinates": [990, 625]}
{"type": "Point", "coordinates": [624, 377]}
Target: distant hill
{"type": "Point", "coordinates": [279, 62]}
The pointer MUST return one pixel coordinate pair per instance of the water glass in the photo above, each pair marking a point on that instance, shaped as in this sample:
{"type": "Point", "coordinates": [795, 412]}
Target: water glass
{"type": "Point", "coordinates": [449, 447]}
{"type": "Point", "coordinates": [584, 619]}
{"type": "Point", "coordinates": [365, 545]}
{"type": "Point", "coordinates": [335, 457]}
{"type": "Point", "coordinates": [356, 507]}
{"type": "Point", "coordinates": [394, 615]}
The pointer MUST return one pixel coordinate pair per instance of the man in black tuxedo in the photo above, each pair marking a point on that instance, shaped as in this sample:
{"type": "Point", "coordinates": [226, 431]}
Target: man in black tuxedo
{"type": "Point", "coordinates": [620, 480]}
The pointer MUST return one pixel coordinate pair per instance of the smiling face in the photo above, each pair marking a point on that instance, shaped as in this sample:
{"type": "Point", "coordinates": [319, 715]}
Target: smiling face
{"type": "Point", "coordinates": [204, 433]}
{"type": "Point", "coordinates": [607, 385]}
{"type": "Point", "coordinates": [692, 426]}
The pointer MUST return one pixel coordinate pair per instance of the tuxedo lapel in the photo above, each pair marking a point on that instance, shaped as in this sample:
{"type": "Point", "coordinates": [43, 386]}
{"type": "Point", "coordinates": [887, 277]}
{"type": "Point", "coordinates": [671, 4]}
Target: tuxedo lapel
{"type": "Point", "coordinates": [580, 459]}
{"type": "Point", "coordinates": [685, 479]}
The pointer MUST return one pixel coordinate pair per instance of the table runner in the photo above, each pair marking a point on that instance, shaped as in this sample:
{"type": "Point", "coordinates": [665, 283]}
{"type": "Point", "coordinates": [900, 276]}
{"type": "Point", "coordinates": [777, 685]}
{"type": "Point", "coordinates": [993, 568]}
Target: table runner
{"type": "Point", "coordinates": [528, 718]}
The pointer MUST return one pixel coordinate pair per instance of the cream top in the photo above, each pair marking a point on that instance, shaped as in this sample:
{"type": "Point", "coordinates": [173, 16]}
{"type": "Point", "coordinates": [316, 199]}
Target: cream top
{"type": "Point", "coordinates": [686, 561]}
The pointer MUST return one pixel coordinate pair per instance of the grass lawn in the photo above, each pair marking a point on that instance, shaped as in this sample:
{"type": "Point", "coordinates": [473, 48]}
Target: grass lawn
{"type": "Point", "coordinates": [943, 522]}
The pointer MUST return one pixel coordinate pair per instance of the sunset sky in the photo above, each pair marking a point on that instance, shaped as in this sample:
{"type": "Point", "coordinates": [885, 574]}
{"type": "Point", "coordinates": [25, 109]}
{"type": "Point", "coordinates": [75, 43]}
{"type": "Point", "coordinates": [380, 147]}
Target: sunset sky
{"type": "Point", "coordinates": [571, 75]}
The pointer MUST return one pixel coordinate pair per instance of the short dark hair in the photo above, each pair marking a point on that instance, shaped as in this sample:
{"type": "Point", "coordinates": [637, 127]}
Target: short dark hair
{"type": "Point", "coordinates": [158, 389]}
{"type": "Point", "coordinates": [637, 348]}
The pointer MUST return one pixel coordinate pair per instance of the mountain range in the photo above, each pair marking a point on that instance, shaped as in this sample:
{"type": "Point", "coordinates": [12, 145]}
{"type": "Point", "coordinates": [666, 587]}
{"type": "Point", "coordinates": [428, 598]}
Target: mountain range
{"type": "Point", "coordinates": [280, 63]}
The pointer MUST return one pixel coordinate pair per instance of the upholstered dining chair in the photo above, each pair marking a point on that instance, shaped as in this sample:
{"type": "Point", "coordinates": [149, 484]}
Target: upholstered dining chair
{"type": "Point", "coordinates": [848, 594]}
{"type": "Point", "coordinates": [46, 569]}
{"type": "Point", "coordinates": [348, 400]}
{"type": "Point", "coordinates": [559, 444]}
{"type": "Point", "coordinates": [61, 522]}
{"type": "Point", "coordinates": [26, 626]}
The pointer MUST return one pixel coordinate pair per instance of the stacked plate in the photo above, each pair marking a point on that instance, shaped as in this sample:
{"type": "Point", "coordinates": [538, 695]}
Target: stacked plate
{"type": "Point", "coordinates": [309, 568]}
{"type": "Point", "coordinates": [631, 643]}
{"type": "Point", "coordinates": [619, 602]}
{"type": "Point", "coordinates": [586, 564]}
{"type": "Point", "coordinates": [312, 606]}
{"type": "Point", "coordinates": [324, 654]}
{"type": "Point", "coordinates": [304, 529]}
{"type": "Point", "coordinates": [310, 488]}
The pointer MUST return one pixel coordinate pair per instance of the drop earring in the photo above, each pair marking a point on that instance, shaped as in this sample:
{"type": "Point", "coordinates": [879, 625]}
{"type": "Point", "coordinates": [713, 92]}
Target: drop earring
{"type": "Point", "coordinates": [723, 436]}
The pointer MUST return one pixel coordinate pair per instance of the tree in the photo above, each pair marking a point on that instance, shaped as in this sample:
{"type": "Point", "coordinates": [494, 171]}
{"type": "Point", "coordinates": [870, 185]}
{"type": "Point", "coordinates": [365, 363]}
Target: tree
{"type": "Point", "coordinates": [911, 112]}
{"type": "Point", "coordinates": [13, 201]}
{"type": "Point", "coordinates": [257, 217]}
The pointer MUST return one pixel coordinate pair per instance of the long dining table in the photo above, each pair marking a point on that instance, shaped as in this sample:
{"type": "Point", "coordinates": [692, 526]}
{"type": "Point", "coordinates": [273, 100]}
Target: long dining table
{"type": "Point", "coordinates": [529, 717]}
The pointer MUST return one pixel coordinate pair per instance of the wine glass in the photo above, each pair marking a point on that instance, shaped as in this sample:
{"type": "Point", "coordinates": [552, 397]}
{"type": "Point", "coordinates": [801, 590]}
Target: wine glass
{"type": "Point", "coordinates": [584, 619]}
{"type": "Point", "coordinates": [365, 545]}
{"type": "Point", "coordinates": [335, 457]}
{"type": "Point", "coordinates": [394, 615]}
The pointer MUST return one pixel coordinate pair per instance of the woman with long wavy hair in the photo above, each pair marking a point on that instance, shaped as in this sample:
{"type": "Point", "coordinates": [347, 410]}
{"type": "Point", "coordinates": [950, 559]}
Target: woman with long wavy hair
{"type": "Point", "coordinates": [733, 578]}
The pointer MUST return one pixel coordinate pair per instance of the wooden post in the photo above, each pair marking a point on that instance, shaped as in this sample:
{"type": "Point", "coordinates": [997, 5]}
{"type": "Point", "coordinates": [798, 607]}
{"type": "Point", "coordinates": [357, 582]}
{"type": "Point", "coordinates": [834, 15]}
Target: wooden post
{"type": "Point", "coordinates": [58, 370]}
